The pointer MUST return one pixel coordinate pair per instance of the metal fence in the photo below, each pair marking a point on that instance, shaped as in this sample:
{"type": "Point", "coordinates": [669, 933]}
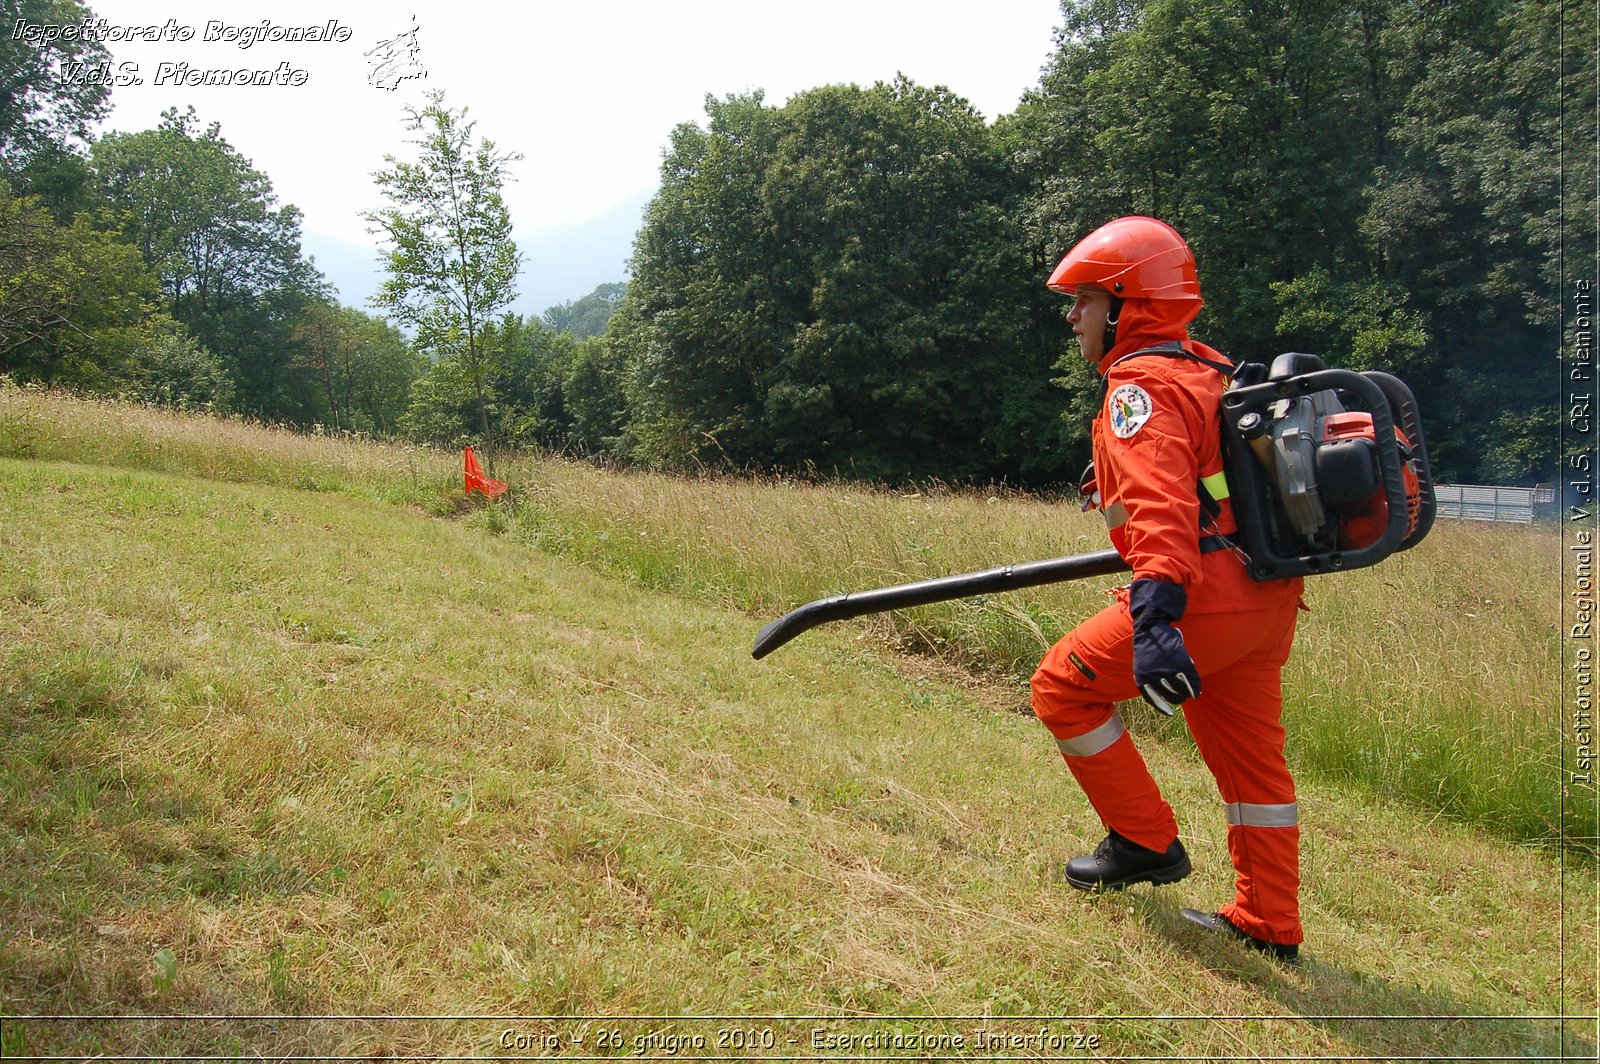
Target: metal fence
{"type": "Point", "coordinates": [1477, 502]}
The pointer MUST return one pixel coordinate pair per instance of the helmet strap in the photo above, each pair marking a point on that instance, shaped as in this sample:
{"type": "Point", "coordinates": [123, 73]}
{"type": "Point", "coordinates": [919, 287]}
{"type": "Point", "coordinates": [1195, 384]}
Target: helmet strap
{"type": "Point", "coordinates": [1113, 316]}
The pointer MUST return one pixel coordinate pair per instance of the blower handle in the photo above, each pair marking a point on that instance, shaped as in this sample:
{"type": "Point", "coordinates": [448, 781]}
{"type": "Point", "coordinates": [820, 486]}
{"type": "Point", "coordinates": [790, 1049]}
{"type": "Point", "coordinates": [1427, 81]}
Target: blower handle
{"type": "Point", "coordinates": [1409, 418]}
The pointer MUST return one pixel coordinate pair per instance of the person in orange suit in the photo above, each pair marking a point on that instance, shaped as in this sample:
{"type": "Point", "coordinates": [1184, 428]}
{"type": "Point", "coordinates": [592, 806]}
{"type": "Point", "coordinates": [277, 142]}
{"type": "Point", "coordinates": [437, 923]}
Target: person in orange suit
{"type": "Point", "coordinates": [1192, 629]}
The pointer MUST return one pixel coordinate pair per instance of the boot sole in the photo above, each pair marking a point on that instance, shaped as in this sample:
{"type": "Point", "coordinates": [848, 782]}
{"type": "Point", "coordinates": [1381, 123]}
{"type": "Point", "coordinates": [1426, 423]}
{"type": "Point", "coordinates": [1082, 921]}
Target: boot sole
{"type": "Point", "coordinates": [1156, 876]}
{"type": "Point", "coordinates": [1214, 923]}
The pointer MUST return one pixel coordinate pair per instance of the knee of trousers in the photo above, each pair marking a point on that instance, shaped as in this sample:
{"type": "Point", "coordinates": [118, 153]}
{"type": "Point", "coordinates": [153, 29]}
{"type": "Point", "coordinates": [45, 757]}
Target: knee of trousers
{"type": "Point", "coordinates": [1065, 709]}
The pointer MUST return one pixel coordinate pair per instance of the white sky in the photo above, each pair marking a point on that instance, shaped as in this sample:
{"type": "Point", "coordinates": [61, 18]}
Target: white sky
{"type": "Point", "coordinates": [587, 92]}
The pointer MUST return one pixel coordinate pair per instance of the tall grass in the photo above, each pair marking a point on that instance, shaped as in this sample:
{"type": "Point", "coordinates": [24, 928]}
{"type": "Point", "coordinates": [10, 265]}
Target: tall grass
{"type": "Point", "coordinates": [58, 426]}
{"type": "Point", "coordinates": [1433, 677]}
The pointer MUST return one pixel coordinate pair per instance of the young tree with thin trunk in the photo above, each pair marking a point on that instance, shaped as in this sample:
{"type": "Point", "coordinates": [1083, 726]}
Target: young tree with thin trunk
{"type": "Point", "coordinates": [452, 263]}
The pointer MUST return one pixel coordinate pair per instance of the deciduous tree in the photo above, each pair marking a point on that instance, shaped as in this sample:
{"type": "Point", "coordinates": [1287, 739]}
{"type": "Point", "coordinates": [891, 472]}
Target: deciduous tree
{"type": "Point", "coordinates": [835, 284]}
{"type": "Point", "coordinates": [452, 263]}
{"type": "Point", "coordinates": [588, 316]}
{"type": "Point", "coordinates": [73, 300]}
{"type": "Point", "coordinates": [362, 364]}
{"type": "Point", "coordinates": [49, 98]}
{"type": "Point", "coordinates": [228, 257]}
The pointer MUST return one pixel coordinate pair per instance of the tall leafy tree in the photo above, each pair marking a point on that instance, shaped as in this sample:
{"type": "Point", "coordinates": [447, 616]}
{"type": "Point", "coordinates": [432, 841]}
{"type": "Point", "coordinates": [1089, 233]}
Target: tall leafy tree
{"type": "Point", "coordinates": [533, 360]}
{"type": "Point", "coordinates": [701, 332]}
{"type": "Point", "coordinates": [73, 299]}
{"type": "Point", "coordinates": [384, 369]}
{"type": "Point", "coordinates": [593, 399]}
{"type": "Point", "coordinates": [589, 316]}
{"type": "Point", "coordinates": [363, 365]}
{"type": "Point", "coordinates": [1465, 215]}
{"type": "Point", "coordinates": [228, 257]}
{"type": "Point", "coordinates": [834, 285]}
{"type": "Point", "coordinates": [49, 103]}
{"type": "Point", "coordinates": [452, 263]}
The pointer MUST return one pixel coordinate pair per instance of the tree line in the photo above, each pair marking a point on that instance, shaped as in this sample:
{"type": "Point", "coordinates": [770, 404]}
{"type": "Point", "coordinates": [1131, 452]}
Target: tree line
{"type": "Point", "coordinates": [159, 265]}
{"type": "Point", "coordinates": [850, 283]}
{"type": "Point", "coordinates": [853, 281]}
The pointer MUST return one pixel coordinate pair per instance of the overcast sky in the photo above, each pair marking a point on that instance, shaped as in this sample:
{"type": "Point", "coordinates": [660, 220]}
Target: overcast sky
{"type": "Point", "coordinates": [588, 93]}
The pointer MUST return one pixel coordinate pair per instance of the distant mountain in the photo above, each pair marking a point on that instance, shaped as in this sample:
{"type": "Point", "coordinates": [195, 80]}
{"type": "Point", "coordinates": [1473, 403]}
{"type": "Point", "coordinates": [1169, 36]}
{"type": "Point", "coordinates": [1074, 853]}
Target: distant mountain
{"type": "Point", "coordinates": [352, 268]}
{"type": "Point", "coordinates": [569, 262]}
{"type": "Point", "coordinates": [559, 265]}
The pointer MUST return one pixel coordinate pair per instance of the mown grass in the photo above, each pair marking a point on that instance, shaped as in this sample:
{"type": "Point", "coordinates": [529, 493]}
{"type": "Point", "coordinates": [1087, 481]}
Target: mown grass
{"type": "Point", "coordinates": [1434, 677]}
{"type": "Point", "coordinates": [283, 754]}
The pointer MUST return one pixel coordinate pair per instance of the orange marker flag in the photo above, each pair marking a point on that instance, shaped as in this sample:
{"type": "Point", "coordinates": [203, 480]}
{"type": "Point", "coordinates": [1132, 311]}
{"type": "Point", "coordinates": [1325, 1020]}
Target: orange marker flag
{"type": "Point", "coordinates": [476, 481]}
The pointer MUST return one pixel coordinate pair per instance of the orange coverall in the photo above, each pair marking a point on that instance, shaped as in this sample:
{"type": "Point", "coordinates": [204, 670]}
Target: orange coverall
{"type": "Point", "coordinates": [1156, 434]}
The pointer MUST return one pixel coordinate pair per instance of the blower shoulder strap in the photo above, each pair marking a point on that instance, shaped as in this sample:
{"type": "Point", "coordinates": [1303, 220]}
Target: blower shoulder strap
{"type": "Point", "coordinates": [1171, 349]}
{"type": "Point", "coordinates": [1175, 349]}
{"type": "Point", "coordinates": [1213, 489]}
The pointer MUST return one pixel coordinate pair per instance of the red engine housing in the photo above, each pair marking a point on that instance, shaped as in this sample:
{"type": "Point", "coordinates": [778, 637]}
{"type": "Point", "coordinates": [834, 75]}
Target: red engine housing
{"type": "Point", "coordinates": [1362, 520]}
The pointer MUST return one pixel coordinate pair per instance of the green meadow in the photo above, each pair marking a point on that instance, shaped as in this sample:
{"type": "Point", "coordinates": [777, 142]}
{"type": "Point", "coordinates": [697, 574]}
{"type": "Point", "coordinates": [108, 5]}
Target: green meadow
{"type": "Point", "coordinates": [304, 754]}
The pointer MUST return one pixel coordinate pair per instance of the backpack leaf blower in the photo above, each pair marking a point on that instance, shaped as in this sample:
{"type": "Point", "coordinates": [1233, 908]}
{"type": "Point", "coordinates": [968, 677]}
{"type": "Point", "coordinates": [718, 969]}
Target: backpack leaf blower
{"type": "Point", "coordinates": [1327, 471]}
{"type": "Point", "coordinates": [1317, 486]}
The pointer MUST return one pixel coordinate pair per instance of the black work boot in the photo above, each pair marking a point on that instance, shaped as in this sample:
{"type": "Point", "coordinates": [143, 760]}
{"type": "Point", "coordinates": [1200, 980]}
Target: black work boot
{"type": "Point", "coordinates": [1222, 925]}
{"type": "Point", "coordinates": [1117, 863]}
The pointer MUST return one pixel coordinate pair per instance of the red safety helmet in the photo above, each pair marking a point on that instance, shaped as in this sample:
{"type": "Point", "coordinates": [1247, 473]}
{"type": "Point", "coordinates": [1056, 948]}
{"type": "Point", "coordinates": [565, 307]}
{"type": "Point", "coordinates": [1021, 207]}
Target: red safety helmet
{"type": "Point", "coordinates": [1132, 258]}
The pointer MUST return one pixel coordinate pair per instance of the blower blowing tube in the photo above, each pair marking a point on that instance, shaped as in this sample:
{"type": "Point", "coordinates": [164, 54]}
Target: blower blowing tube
{"type": "Point", "coordinates": [939, 589]}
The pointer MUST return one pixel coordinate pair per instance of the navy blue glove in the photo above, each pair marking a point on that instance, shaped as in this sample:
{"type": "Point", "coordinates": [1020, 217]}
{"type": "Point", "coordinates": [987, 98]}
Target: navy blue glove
{"type": "Point", "coordinates": [1162, 666]}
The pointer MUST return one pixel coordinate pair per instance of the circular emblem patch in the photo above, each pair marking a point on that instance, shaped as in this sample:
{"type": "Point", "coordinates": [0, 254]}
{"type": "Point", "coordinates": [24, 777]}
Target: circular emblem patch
{"type": "Point", "coordinates": [1129, 408]}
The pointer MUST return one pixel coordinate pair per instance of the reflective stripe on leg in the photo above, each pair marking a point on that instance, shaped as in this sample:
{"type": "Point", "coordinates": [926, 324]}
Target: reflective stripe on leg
{"type": "Point", "coordinates": [1254, 815]}
{"type": "Point", "coordinates": [1095, 740]}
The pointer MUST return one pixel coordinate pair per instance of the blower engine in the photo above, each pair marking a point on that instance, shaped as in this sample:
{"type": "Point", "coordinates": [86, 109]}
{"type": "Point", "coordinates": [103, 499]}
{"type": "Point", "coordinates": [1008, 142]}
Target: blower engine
{"type": "Point", "coordinates": [1327, 468]}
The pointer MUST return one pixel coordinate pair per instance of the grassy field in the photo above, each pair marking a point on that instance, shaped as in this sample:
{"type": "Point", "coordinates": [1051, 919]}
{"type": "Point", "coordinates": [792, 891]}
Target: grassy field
{"type": "Point", "coordinates": [273, 746]}
{"type": "Point", "coordinates": [1434, 678]}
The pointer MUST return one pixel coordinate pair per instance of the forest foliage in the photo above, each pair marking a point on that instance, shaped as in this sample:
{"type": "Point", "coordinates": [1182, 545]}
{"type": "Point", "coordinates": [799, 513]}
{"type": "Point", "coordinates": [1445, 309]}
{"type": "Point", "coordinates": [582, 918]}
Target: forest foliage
{"type": "Point", "coordinates": [850, 282]}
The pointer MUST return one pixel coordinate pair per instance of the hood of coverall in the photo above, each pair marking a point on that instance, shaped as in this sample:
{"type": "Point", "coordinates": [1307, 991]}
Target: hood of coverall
{"type": "Point", "coordinates": [1147, 322]}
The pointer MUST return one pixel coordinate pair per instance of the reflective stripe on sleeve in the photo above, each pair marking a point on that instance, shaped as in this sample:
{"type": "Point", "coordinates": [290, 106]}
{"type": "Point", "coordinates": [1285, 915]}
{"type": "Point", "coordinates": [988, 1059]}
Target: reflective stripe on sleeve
{"type": "Point", "coordinates": [1092, 742]}
{"type": "Point", "coordinates": [1216, 484]}
{"type": "Point", "coordinates": [1251, 815]}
